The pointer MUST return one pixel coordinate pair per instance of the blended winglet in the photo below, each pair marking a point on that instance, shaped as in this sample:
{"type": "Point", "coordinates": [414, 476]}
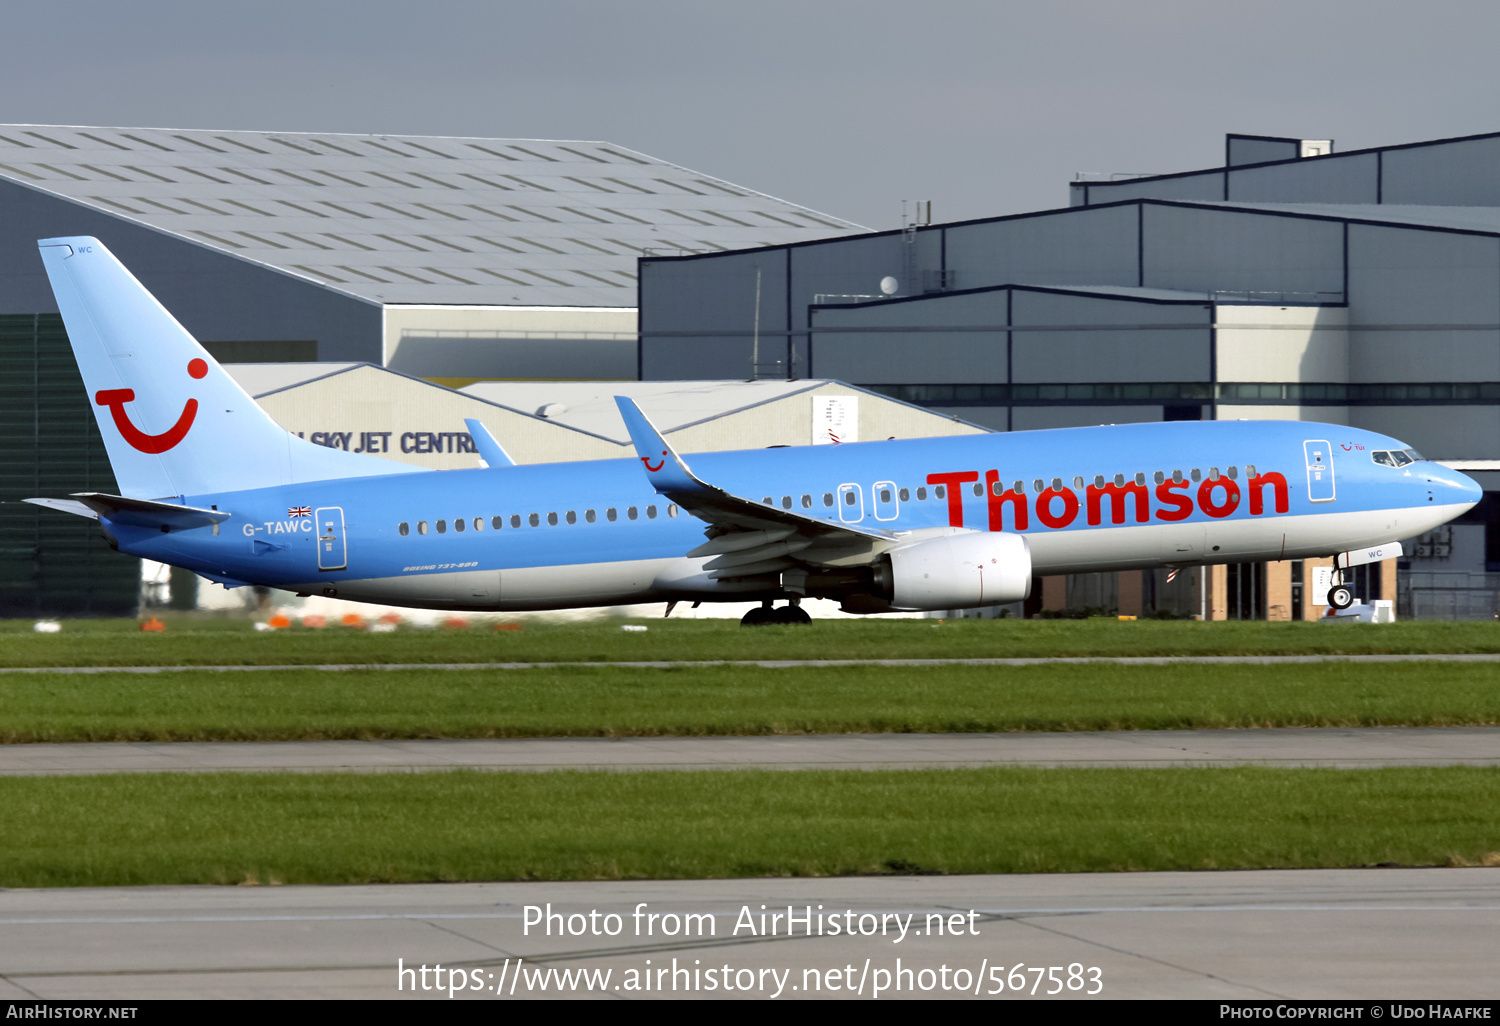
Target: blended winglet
{"type": "Point", "coordinates": [491, 451]}
{"type": "Point", "coordinates": [664, 468]}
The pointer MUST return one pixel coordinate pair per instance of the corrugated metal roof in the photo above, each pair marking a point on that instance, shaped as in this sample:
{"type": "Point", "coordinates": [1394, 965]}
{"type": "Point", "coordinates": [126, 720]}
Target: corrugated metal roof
{"type": "Point", "coordinates": [412, 219]}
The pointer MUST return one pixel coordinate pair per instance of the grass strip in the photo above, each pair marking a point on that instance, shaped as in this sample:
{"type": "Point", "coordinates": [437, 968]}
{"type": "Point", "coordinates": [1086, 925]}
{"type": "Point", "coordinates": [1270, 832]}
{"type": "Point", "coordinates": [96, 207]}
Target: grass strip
{"type": "Point", "coordinates": [234, 642]}
{"type": "Point", "coordinates": [336, 828]}
{"type": "Point", "coordinates": [607, 701]}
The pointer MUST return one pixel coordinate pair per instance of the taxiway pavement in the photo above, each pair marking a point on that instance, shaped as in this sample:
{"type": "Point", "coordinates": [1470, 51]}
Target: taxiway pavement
{"type": "Point", "coordinates": [1258, 935]}
{"type": "Point", "coordinates": [1346, 748]}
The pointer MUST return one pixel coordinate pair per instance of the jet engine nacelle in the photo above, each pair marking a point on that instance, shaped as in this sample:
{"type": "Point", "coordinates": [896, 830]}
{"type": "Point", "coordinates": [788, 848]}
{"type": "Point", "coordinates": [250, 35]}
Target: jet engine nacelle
{"type": "Point", "coordinates": [959, 570]}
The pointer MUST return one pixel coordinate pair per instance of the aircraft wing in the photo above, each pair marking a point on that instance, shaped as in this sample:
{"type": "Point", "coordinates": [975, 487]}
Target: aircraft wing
{"type": "Point", "coordinates": [745, 536]}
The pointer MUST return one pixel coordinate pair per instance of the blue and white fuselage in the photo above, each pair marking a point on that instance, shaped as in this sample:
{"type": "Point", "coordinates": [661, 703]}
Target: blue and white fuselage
{"type": "Point", "coordinates": [210, 483]}
{"type": "Point", "coordinates": [592, 533]}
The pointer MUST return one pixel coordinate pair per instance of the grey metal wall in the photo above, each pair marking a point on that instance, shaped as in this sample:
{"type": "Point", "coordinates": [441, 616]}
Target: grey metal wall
{"type": "Point", "coordinates": [905, 341]}
{"type": "Point", "coordinates": [1443, 172]}
{"type": "Point", "coordinates": [1071, 247]}
{"type": "Point", "coordinates": [1423, 305]}
{"type": "Point", "coordinates": [1351, 179]}
{"type": "Point", "coordinates": [1095, 339]}
{"type": "Point", "coordinates": [215, 296]}
{"type": "Point", "coordinates": [1202, 248]}
{"type": "Point", "coordinates": [706, 329]}
{"type": "Point", "coordinates": [1254, 149]}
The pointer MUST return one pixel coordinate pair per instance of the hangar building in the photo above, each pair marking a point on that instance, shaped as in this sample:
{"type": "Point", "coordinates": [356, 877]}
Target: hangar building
{"type": "Point", "coordinates": [452, 259]}
{"type": "Point", "coordinates": [1358, 288]}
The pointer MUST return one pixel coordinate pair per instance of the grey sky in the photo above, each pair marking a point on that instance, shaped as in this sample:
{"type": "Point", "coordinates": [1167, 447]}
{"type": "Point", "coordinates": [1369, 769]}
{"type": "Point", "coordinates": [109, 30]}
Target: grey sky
{"type": "Point", "coordinates": [984, 108]}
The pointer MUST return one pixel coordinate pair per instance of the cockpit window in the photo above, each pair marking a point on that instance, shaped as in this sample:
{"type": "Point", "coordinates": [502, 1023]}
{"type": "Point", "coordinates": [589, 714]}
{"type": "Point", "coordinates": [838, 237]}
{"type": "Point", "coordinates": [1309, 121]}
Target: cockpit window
{"type": "Point", "coordinates": [1395, 457]}
{"type": "Point", "coordinates": [1383, 458]}
{"type": "Point", "coordinates": [1414, 454]}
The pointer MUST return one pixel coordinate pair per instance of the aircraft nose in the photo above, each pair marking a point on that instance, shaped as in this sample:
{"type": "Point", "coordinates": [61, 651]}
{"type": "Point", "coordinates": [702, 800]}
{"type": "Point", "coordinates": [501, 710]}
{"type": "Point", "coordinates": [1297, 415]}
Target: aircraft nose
{"type": "Point", "coordinates": [1452, 486]}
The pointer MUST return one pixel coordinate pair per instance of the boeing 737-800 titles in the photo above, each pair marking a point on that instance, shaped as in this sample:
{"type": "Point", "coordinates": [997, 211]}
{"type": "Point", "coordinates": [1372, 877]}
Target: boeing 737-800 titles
{"type": "Point", "coordinates": [209, 482]}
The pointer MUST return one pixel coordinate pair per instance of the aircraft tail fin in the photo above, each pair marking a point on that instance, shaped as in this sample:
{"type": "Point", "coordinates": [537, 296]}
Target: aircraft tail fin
{"type": "Point", "coordinates": [174, 422]}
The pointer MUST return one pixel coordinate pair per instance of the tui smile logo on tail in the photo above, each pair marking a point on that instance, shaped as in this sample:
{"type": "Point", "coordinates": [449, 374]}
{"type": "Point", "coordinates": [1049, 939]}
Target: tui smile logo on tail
{"type": "Point", "coordinates": [659, 463]}
{"type": "Point", "coordinates": [116, 398]}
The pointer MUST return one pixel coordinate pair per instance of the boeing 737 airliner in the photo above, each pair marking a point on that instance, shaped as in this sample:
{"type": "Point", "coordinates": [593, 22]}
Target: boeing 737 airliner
{"type": "Point", "coordinates": [209, 482]}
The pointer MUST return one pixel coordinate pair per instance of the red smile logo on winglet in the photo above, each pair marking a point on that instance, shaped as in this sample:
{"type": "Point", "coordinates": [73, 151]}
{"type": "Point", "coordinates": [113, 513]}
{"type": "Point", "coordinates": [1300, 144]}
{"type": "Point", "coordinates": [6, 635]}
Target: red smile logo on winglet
{"type": "Point", "coordinates": [116, 398]}
{"type": "Point", "coordinates": [659, 463]}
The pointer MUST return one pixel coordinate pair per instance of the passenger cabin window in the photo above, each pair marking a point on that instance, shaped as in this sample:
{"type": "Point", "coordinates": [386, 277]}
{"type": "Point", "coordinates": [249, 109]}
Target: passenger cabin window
{"type": "Point", "coordinates": [1250, 470]}
{"type": "Point", "coordinates": [479, 523]}
{"type": "Point", "coordinates": [651, 512]}
{"type": "Point", "coordinates": [672, 507]}
{"type": "Point", "coordinates": [885, 494]}
{"type": "Point", "coordinates": [1119, 480]}
{"type": "Point", "coordinates": [551, 519]}
{"type": "Point", "coordinates": [828, 498]}
{"type": "Point", "coordinates": [515, 520]}
{"type": "Point", "coordinates": [572, 517]}
{"type": "Point", "coordinates": [442, 527]}
{"type": "Point", "coordinates": [421, 527]}
{"type": "Point", "coordinates": [1196, 475]}
{"type": "Point", "coordinates": [921, 494]}
{"type": "Point", "coordinates": [1078, 481]}
{"type": "Point", "coordinates": [588, 515]}
{"type": "Point", "coordinates": [1036, 485]}
{"type": "Point", "coordinates": [611, 515]}
{"type": "Point", "coordinates": [1057, 484]}
{"type": "Point", "coordinates": [1234, 473]}
{"type": "Point", "coordinates": [786, 502]}
{"type": "Point", "coordinates": [534, 520]}
{"type": "Point", "coordinates": [1213, 473]}
{"type": "Point", "coordinates": [905, 494]}
{"type": "Point", "coordinates": [849, 497]}
{"type": "Point", "coordinates": [1159, 477]}
{"type": "Point", "coordinates": [458, 524]}
{"type": "Point", "coordinates": [497, 522]}
{"type": "Point", "coordinates": [1177, 476]}
{"type": "Point", "coordinates": [978, 490]}
{"type": "Point", "coordinates": [404, 528]}
{"type": "Point", "coordinates": [1140, 479]}
{"type": "Point", "coordinates": [632, 513]}
{"type": "Point", "coordinates": [806, 504]}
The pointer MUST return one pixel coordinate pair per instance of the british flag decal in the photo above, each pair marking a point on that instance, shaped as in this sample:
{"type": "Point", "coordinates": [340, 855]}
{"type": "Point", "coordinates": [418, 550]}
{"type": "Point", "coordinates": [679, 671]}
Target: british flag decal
{"type": "Point", "coordinates": [299, 511]}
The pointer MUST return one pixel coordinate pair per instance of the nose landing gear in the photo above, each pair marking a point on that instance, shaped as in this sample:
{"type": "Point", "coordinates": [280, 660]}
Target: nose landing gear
{"type": "Point", "coordinates": [766, 613]}
{"type": "Point", "coordinates": [1341, 596]}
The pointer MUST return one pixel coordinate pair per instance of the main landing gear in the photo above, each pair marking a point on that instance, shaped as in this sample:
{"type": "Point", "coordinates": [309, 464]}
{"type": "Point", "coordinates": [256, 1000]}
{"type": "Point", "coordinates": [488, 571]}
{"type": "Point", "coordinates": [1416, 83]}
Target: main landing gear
{"type": "Point", "coordinates": [765, 613]}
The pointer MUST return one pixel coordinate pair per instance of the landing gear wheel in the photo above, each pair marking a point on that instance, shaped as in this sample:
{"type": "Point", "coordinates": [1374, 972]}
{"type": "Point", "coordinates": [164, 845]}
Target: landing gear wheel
{"type": "Point", "coordinates": [791, 615]}
{"type": "Point", "coordinates": [759, 616]}
{"type": "Point", "coordinates": [1340, 596]}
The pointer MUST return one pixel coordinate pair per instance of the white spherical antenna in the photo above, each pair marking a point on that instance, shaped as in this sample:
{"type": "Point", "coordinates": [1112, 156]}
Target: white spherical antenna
{"type": "Point", "coordinates": [889, 285]}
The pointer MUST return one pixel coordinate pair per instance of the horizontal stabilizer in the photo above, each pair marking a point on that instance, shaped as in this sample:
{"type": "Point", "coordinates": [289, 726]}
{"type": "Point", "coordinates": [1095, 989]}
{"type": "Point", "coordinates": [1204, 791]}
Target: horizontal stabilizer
{"type": "Point", "coordinates": [491, 451]}
{"type": "Point", "coordinates": [72, 506]}
{"type": "Point", "coordinates": [148, 513]}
